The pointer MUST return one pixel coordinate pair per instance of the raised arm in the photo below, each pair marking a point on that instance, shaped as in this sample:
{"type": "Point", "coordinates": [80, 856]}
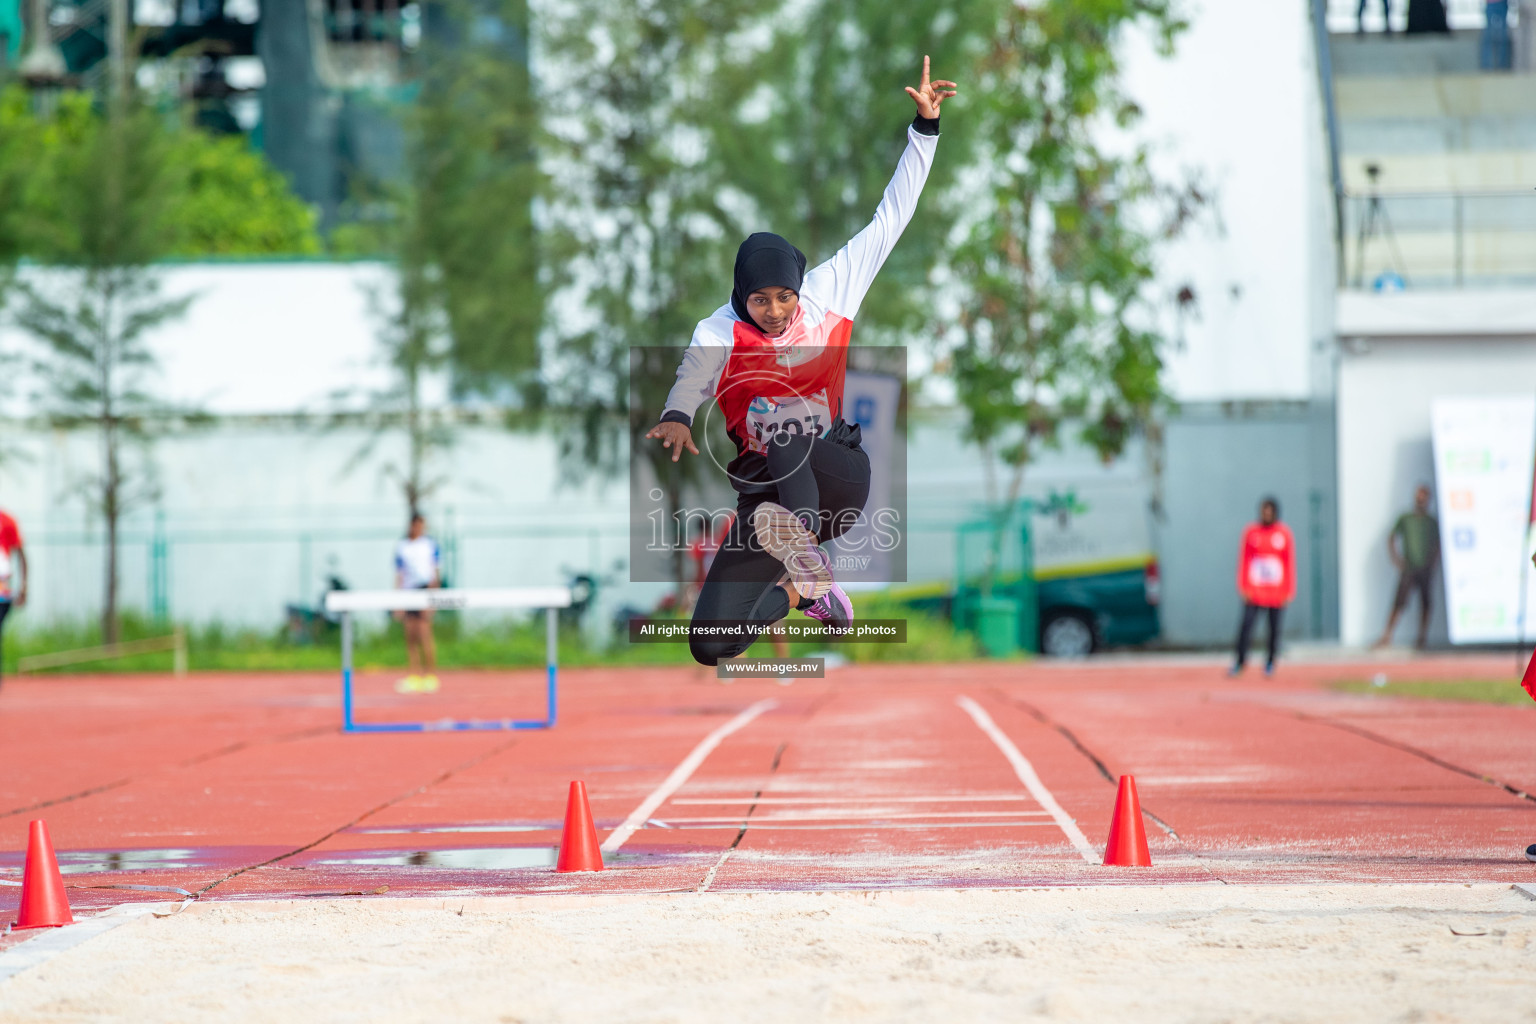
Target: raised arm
{"type": "Point", "coordinates": [841, 283]}
{"type": "Point", "coordinates": [697, 377]}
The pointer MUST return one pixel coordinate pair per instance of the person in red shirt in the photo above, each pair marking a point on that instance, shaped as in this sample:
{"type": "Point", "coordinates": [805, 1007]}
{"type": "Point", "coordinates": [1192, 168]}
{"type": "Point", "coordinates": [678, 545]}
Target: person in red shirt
{"type": "Point", "coordinates": [1529, 682]}
{"type": "Point", "coordinates": [1266, 579]}
{"type": "Point", "coordinates": [10, 545]}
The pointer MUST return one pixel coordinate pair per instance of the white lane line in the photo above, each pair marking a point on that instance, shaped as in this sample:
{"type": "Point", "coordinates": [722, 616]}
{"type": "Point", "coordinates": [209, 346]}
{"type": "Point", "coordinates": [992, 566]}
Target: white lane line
{"type": "Point", "coordinates": [680, 774]}
{"type": "Point", "coordinates": [1026, 773]}
{"type": "Point", "coordinates": [871, 815]}
{"type": "Point", "coordinates": [51, 942]}
{"type": "Point", "coordinates": [860, 801]}
{"type": "Point", "coordinates": [765, 826]}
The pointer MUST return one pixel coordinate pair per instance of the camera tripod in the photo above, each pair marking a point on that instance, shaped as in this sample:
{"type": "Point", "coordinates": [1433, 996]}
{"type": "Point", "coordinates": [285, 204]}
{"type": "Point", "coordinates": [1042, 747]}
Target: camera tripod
{"type": "Point", "coordinates": [1376, 224]}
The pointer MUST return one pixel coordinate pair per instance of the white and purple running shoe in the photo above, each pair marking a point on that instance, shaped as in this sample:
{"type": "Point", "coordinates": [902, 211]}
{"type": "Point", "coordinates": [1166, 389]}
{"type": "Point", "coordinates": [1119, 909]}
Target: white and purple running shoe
{"type": "Point", "coordinates": [833, 607]}
{"type": "Point", "coordinates": [785, 537]}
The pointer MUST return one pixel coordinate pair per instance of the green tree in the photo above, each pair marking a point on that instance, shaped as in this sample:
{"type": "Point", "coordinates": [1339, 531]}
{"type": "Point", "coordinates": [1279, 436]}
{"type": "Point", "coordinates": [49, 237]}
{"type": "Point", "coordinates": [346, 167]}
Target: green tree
{"type": "Point", "coordinates": [102, 220]}
{"type": "Point", "coordinates": [467, 241]}
{"type": "Point", "coordinates": [18, 137]}
{"type": "Point", "coordinates": [97, 197]}
{"type": "Point", "coordinates": [413, 343]}
{"type": "Point", "coordinates": [231, 202]}
{"type": "Point", "coordinates": [467, 298]}
{"type": "Point", "coordinates": [1062, 320]}
{"type": "Point", "coordinates": [637, 214]}
{"type": "Point", "coordinates": [214, 196]}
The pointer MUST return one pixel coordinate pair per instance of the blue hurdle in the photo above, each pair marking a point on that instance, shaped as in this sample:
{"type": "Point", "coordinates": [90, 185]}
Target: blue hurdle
{"type": "Point", "coordinates": [551, 599]}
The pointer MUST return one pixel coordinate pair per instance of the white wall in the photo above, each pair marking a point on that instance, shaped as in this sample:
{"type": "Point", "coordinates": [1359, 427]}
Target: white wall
{"type": "Point", "coordinates": [255, 511]}
{"type": "Point", "coordinates": [259, 338]}
{"type": "Point", "coordinates": [1238, 103]}
{"type": "Point", "coordinates": [1386, 386]}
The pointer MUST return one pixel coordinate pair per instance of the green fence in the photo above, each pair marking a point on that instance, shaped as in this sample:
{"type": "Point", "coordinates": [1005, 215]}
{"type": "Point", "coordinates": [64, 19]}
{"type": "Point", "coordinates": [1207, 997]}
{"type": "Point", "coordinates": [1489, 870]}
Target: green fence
{"type": "Point", "coordinates": [995, 592]}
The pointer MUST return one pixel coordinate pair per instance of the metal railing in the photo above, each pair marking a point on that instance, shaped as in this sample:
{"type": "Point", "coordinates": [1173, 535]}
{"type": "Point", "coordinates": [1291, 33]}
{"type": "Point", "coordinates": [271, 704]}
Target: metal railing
{"type": "Point", "coordinates": [1440, 239]}
{"type": "Point", "coordinates": [176, 643]}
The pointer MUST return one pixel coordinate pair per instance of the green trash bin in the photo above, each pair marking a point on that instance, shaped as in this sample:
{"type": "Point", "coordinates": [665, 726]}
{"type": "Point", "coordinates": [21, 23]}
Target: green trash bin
{"type": "Point", "coordinates": [997, 625]}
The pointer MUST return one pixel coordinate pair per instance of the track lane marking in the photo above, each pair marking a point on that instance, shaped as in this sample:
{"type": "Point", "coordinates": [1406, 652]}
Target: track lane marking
{"type": "Point", "coordinates": [1026, 773]}
{"type": "Point", "coordinates": [50, 942]}
{"type": "Point", "coordinates": [765, 825]}
{"type": "Point", "coordinates": [858, 801]}
{"type": "Point", "coordinates": [866, 816]}
{"type": "Point", "coordinates": [673, 782]}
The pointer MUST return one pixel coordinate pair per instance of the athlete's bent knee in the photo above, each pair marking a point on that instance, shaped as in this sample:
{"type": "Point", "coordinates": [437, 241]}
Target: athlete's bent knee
{"type": "Point", "coordinates": [710, 652]}
{"type": "Point", "coordinates": [713, 652]}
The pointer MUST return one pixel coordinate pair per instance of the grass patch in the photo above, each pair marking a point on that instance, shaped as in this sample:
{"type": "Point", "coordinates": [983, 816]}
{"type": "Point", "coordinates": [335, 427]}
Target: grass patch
{"type": "Point", "coordinates": [1479, 691]}
{"type": "Point", "coordinates": [380, 644]}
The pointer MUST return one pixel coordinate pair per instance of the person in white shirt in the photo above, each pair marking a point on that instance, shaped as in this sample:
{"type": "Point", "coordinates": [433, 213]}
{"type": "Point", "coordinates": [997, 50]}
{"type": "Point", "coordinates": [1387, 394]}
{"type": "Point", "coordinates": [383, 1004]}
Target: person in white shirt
{"type": "Point", "coordinates": [417, 568]}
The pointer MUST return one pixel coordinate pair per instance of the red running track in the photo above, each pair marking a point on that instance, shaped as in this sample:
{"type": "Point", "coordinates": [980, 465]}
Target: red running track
{"type": "Point", "coordinates": [237, 786]}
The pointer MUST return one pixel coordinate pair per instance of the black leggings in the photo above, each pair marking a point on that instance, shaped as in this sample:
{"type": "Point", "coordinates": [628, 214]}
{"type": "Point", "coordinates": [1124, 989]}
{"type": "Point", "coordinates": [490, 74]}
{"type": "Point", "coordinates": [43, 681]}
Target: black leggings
{"type": "Point", "coordinates": [5, 609]}
{"type": "Point", "coordinates": [1251, 612]}
{"type": "Point", "coordinates": [824, 481]}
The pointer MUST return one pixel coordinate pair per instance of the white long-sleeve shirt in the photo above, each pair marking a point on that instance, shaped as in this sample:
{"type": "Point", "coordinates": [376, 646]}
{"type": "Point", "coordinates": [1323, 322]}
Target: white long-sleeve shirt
{"type": "Point", "coordinates": [830, 295]}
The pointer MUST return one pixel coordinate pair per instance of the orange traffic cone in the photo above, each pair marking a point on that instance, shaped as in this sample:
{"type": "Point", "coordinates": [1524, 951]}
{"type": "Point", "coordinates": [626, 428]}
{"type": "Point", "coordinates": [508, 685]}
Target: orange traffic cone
{"type": "Point", "coordinates": [578, 843]}
{"type": "Point", "coordinates": [43, 902]}
{"type": "Point", "coordinates": [1127, 845]}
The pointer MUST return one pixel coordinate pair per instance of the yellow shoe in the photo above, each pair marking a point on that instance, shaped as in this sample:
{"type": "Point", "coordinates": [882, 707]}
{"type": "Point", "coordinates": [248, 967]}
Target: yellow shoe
{"type": "Point", "coordinates": [410, 684]}
{"type": "Point", "coordinates": [429, 684]}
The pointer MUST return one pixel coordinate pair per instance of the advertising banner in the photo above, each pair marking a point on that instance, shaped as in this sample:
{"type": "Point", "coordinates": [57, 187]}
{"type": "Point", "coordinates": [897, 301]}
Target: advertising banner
{"type": "Point", "coordinates": [1485, 449]}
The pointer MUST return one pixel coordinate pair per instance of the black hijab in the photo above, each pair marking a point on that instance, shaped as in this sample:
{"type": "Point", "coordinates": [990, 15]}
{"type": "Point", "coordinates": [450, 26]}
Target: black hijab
{"type": "Point", "coordinates": [765, 260]}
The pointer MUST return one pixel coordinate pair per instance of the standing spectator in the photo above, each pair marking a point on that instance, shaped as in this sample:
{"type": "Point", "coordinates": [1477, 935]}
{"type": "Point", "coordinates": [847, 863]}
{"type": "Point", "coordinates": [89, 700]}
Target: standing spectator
{"type": "Point", "coordinates": [1266, 579]}
{"type": "Point", "coordinates": [1526, 44]}
{"type": "Point", "coordinates": [10, 547]}
{"type": "Point", "coordinates": [1426, 16]}
{"type": "Point", "coordinates": [1494, 53]}
{"type": "Point", "coordinates": [1386, 16]}
{"type": "Point", "coordinates": [1419, 534]}
{"type": "Point", "coordinates": [416, 568]}
{"type": "Point", "coordinates": [1529, 682]}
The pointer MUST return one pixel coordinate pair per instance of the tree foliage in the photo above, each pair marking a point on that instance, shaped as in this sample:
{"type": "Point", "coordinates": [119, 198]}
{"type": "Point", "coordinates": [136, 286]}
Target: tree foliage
{"type": "Point", "coordinates": [232, 202]}
{"type": "Point", "coordinates": [413, 344]}
{"type": "Point", "coordinates": [1061, 318]}
{"type": "Point", "coordinates": [638, 212]}
{"type": "Point", "coordinates": [93, 325]}
{"type": "Point", "coordinates": [467, 300]}
{"type": "Point", "coordinates": [468, 238]}
{"type": "Point", "coordinates": [97, 214]}
{"type": "Point", "coordinates": [195, 194]}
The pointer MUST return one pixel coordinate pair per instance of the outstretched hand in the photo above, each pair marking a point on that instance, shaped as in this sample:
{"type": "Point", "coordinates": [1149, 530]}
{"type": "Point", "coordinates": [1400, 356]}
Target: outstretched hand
{"type": "Point", "coordinates": [675, 436]}
{"type": "Point", "coordinates": [929, 95]}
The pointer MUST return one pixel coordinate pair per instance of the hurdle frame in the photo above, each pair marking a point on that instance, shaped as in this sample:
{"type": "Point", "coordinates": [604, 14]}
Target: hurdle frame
{"type": "Point", "coordinates": [550, 599]}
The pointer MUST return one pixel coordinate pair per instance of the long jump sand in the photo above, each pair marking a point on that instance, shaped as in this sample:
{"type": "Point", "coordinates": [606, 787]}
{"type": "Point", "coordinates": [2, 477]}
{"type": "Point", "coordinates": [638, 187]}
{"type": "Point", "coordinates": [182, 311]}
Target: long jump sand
{"type": "Point", "coordinates": [1175, 953]}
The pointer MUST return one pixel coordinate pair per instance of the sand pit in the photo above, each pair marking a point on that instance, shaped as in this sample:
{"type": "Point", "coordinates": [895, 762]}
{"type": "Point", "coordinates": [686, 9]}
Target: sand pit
{"type": "Point", "coordinates": [1176, 953]}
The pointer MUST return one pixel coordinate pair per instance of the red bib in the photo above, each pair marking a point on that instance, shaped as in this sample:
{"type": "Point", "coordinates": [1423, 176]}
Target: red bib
{"type": "Point", "coordinates": [792, 386]}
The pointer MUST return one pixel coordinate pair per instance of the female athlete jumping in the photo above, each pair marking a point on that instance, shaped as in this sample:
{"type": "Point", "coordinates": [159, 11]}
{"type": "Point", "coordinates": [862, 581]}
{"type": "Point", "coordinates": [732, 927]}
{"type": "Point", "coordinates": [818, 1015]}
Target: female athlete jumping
{"type": "Point", "coordinates": [774, 359]}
